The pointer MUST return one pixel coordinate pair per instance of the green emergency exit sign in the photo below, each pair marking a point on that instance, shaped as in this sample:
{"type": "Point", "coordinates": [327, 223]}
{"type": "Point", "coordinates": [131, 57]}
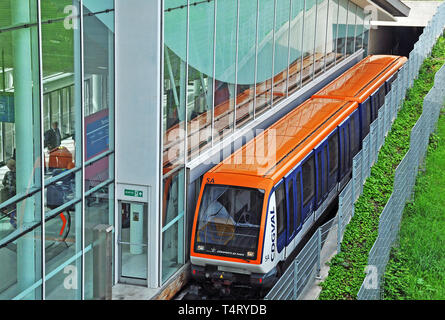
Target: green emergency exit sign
{"type": "Point", "coordinates": [133, 193]}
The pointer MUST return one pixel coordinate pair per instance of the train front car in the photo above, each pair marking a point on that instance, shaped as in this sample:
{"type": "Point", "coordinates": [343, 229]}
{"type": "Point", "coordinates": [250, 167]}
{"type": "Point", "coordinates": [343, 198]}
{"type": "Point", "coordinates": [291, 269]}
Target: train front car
{"type": "Point", "coordinates": [228, 233]}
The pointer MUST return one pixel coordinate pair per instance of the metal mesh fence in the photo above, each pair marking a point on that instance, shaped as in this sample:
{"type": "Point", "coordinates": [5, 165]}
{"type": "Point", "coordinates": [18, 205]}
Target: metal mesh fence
{"type": "Point", "coordinates": [306, 266]}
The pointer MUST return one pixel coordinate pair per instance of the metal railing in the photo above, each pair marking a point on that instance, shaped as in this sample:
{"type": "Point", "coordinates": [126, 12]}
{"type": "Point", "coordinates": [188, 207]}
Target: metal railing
{"type": "Point", "coordinates": [305, 268]}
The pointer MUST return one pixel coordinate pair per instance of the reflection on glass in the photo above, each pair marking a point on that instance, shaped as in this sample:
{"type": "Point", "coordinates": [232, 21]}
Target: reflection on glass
{"type": "Point", "coordinates": [64, 283]}
{"type": "Point", "coordinates": [308, 40]}
{"type": "Point", "coordinates": [281, 50]}
{"type": "Point", "coordinates": [331, 34]}
{"type": "Point", "coordinates": [21, 263]}
{"type": "Point", "coordinates": [341, 29]}
{"type": "Point", "coordinates": [320, 36]}
{"type": "Point", "coordinates": [360, 29]}
{"type": "Point", "coordinates": [350, 40]}
{"type": "Point", "coordinates": [225, 57]}
{"type": "Point", "coordinates": [264, 71]}
{"type": "Point", "coordinates": [296, 44]}
{"type": "Point", "coordinates": [246, 62]}
{"type": "Point", "coordinates": [20, 116]}
{"type": "Point", "coordinates": [173, 249]}
{"type": "Point", "coordinates": [61, 81]}
{"type": "Point", "coordinates": [200, 77]}
{"type": "Point", "coordinates": [172, 221]}
{"type": "Point", "coordinates": [175, 86]}
{"type": "Point", "coordinates": [98, 211]}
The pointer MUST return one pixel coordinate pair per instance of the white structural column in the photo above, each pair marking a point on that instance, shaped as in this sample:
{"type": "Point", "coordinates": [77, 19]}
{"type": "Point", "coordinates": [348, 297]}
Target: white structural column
{"type": "Point", "coordinates": [138, 111]}
{"type": "Point", "coordinates": [23, 95]}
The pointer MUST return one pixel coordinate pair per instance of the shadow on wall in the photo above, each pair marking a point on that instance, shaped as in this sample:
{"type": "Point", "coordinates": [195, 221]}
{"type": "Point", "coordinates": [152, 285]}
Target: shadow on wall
{"type": "Point", "coordinates": [393, 40]}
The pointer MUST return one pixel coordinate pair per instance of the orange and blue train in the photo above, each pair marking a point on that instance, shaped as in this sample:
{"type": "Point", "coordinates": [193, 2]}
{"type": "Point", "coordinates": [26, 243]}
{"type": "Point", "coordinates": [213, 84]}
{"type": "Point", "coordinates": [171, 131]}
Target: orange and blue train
{"type": "Point", "coordinates": [255, 206]}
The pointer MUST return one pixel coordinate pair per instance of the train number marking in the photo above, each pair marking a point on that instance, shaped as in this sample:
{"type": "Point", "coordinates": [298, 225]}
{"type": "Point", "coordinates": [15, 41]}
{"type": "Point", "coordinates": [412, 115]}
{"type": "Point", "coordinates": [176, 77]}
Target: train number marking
{"type": "Point", "coordinates": [211, 181]}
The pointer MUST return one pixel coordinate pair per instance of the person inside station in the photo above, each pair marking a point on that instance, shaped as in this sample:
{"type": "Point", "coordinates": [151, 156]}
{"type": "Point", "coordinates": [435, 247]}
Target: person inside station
{"type": "Point", "coordinates": [53, 139]}
{"type": "Point", "coordinates": [9, 190]}
{"type": "Point", "coordinates": [59, 156]}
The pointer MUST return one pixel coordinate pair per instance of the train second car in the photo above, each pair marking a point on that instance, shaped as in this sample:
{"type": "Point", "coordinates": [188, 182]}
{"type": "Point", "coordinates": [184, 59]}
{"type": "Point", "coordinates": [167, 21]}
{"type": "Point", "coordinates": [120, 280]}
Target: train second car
{"type": "Point", "coordinates": [255, 206]}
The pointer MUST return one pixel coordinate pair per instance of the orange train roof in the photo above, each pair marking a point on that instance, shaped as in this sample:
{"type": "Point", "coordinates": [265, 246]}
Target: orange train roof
{"type": "Point", "coordinates": [292, 137]}
{"type": "Point", "coordinates": [360, 81]}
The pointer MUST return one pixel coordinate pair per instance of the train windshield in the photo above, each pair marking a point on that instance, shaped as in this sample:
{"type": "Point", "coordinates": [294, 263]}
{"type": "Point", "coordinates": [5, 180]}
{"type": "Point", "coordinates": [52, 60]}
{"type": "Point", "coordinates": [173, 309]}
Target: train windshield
{"type": "Point", "coordinates": [229, 221]}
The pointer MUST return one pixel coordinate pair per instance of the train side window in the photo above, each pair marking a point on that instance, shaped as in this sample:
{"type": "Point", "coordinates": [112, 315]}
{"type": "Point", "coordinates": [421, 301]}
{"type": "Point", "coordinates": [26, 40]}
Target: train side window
{"type": "Point", "coordinates": [281, 208]}
{"type": "Point", "coordinates": [325, 169]}
{"type": "Point", "coordinates": [347, 148]}
{"type": "Point", "coordinates": [381, 95]}
{"type": "Point", "coordinates": [291, 207]}
{"type": "Point", "coordinates": [366, 117]}
{"type": "Point", "coordinates": [319, 176]}
{"type": "Point", "coordinates": [298, 199]}
{"type": "Point", "coordinates": [308, 171]}
{"type": "Point", "coordinates": [333, 153]}
{"type": "Point", "coordinates": [368, 114]}
{"type": "Point", "coordinates": [354, 140]}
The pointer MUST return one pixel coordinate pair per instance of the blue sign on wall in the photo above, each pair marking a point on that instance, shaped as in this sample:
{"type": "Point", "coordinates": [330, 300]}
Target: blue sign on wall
{"type": "Point", "coordinates": [97, 136]}
{"type": "Point", "coordinates": [6, 107]}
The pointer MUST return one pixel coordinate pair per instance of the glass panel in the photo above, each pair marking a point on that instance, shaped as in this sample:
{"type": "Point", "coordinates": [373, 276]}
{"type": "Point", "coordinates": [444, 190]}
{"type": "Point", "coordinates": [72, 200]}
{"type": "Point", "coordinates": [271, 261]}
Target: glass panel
{"type": "Point", "coordinates": [63, 237]}
{"type": "Point", "coordinates": [320, 36]}
{"type": "Point", "coordinates": [200, 76]}
{"type": "Point", "coordinates": [61, 68]}
{"type": "Point", "coordinates": [173, 223]}
{"type": "Point", "coordinates": [99, 210]}
{"type": "Point", "coordinates": [281, 209]}
{"type": "Point", "coordinates": [246, 62]}
{"type": "Point", "coordinates": [341, 29]}
{"type": "Point", "coordinates": [359, 29]}
{"type": "Point", "coordinates": [134, 240]}
{"type": "Point", "coordinates": [172, 249]}
{"type": "Point", "coordinates": [308, 40]}
{"type": "Point", "coordinates": [291, 206]}
{"type": "Point", "coordinates": [99, 70]}
{"type": "Point", "coordinates": [175, 89]}
{"type": "Point", "coordinates": [350, 41]}
{"type": "Point", "coordinates": [333, 153]}
{"type": "Point", "coordinates": [281, 50]}
{"type": "Point", "coordinates": [64, 283]}
{"type": "Point", "coordinates": [226, 23]}
{"type": "Point", "coordinates": [295, 44]}
{"type": "Point", "coordinates": [331, 35]}
{"type": "Point", "coordinates": [308, 180]}
{"type": "Point", "coordinates": [20, 117]}
{"type": "Point", "coordinates": [20, 268]}
{"type": "Point", "coordinates": [298, 199]}
{"type": "Point", "coordinates": [197, 113]}
{"type": "Point", "coordinates": [264, 71]}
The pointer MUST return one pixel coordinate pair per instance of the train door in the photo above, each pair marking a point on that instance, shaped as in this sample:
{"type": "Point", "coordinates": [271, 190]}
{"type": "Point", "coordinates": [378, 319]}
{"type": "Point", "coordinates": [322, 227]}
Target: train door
{"type": "Point", "coordinates": [345, 149]}
{"type": "Point", "coordinates": [308, 181]}
{"type": "Point", "coordinates": [365, 117]}
{"type": "Point", "coordinates": [132, 242]}
{"type": "Point", "coordinates": [321, 166]}
{"type": "Point", "coordinates": [291, 204]}
{"type": "Point", "coordinates": [355, 133]}
{"type": "Point", "coordinates": [333, 160]}
{"type": "Point", "coordinates": [281, 214]}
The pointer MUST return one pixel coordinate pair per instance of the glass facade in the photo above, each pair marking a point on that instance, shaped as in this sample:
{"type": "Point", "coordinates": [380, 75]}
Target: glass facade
{"type": "Point", "coordinates": [225, 63]}
{"type": "Point", "coordinates": [56, 145]}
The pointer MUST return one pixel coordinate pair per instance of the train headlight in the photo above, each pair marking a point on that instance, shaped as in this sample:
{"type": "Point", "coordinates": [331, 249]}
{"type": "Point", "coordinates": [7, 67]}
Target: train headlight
{"type": "Point", "coordinates": [200, 248]}
{"type": "Point", "coordinates": [250, 253]}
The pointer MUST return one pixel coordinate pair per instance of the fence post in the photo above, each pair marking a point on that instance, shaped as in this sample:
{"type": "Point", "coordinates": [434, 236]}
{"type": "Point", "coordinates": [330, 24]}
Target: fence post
{"type": "Point", "coordinates": [339, 223]}
{"type": "Point", "coordinates": [296, 262]}
{"type": "Point", "coordinates": [319, 253]}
